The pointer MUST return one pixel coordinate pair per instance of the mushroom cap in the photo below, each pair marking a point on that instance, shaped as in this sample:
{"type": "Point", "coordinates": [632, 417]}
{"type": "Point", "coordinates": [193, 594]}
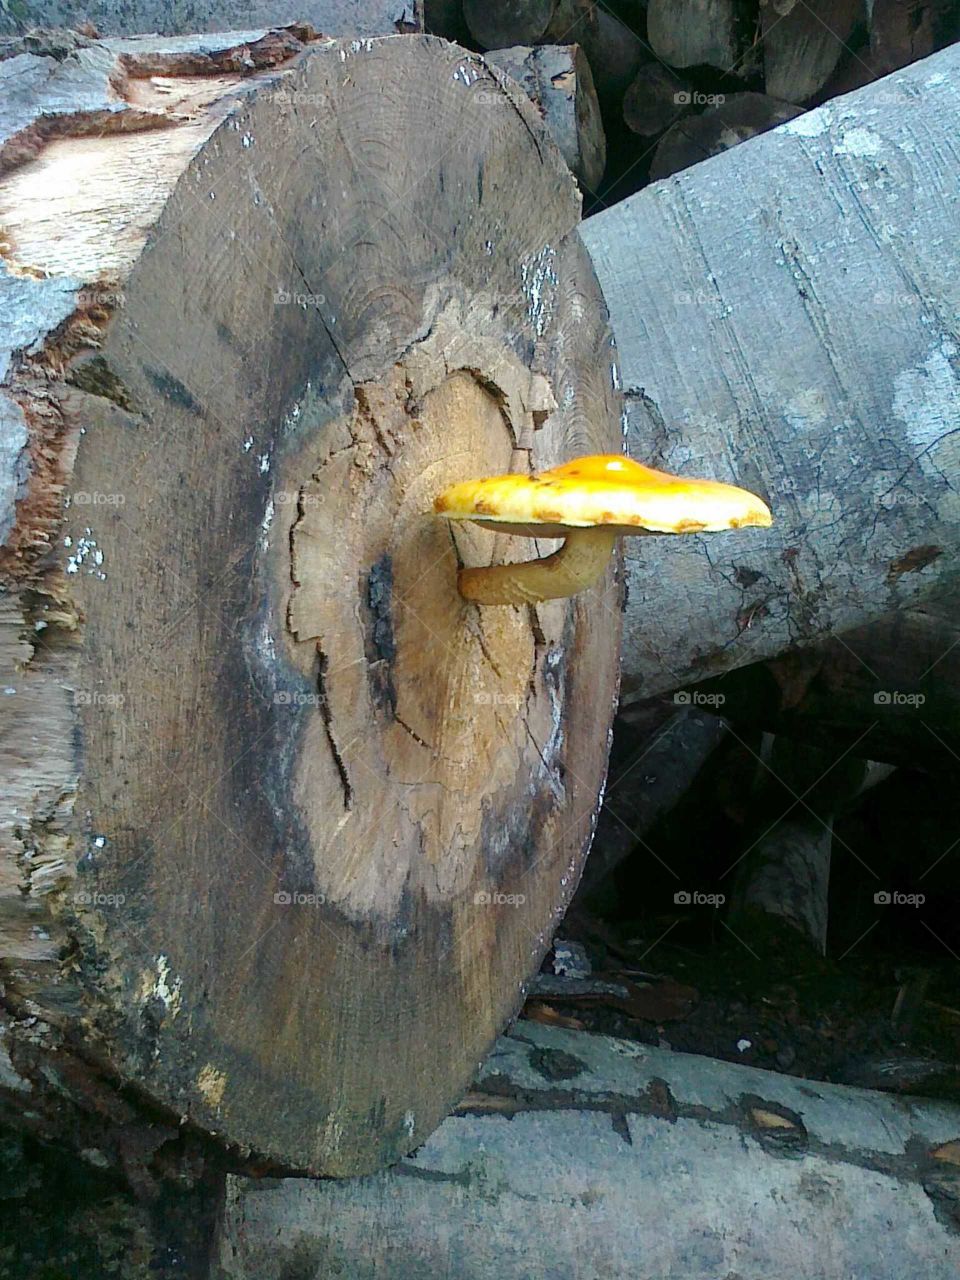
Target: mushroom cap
{"type": "Point", "coordinates": [606, 490]}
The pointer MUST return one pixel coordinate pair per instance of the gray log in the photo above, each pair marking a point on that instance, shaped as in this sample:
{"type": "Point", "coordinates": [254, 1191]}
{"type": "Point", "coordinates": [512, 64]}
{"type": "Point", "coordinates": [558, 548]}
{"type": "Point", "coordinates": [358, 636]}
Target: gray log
{"type": "Point", "coordinates": [784, 314]}
{"type": "Point", "coordinates": [583, 1155]}
{"type": "Point", "coordinates": [360, 18]}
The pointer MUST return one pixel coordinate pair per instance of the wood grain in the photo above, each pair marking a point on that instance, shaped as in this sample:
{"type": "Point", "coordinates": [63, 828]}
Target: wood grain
{"type": "Point", "coordinates": [317, 815]}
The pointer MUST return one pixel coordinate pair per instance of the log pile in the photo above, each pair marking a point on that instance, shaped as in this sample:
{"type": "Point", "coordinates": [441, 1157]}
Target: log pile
{"type": "Point", "coordinates": [679, 80]}
{"type": "Point", "coordinates": [669, 83]}
{"type": "Point", "coordinates": [836, 629]}
{"type": "Point", "coordinates": [287, 828]}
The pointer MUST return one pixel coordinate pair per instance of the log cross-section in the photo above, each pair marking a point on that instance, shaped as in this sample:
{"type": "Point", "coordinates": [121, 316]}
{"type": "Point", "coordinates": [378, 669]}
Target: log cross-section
{"type": "Point", "coordinates": [286, 821]}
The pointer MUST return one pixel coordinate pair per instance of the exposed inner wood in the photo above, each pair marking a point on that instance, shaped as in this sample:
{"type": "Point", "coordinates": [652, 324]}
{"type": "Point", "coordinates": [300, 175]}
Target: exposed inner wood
{"type": "Point", "coordinates": [431, 705]}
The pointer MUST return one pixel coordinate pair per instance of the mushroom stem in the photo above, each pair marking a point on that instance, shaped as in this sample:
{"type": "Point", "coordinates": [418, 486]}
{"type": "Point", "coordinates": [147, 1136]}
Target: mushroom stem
{"type": "Point", "coordinates": [579, 563]}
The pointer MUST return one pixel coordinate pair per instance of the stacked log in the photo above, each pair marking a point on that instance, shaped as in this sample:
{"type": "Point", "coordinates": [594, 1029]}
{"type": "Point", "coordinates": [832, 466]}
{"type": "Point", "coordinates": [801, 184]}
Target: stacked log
{"type": "Point", "coordinates": [357, 19]}
{"type": "Point", "coordinates": [558, 80]}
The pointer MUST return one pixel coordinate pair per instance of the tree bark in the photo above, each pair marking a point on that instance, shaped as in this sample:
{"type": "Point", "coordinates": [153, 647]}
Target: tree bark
{"type": "Point", "coordinates": [632, 1163]}
{"type": "Point", "coordinates": [781, 313]}
{"type": "Point", "coordinates": [286, 823]}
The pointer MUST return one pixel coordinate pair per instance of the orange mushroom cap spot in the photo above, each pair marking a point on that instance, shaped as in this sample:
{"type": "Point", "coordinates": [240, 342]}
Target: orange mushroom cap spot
{"type": "Point", "coordinates": [604, 490]}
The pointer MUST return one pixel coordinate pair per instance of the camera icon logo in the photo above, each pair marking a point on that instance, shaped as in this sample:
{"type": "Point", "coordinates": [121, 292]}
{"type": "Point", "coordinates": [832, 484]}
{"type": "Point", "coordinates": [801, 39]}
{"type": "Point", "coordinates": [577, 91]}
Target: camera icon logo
{"type": "Point", "coordinates": [481, 898]}
{"type": "Point", "coordinates": [881, 698]}
{"type": "Point", "coordinates": [682, 98]}
{"type": "Point", "coordinates": [282, 898]}
{"type": "Point", "coordinates": [882, 898]}
{"type": "Point", "coordinates": [682, 898]}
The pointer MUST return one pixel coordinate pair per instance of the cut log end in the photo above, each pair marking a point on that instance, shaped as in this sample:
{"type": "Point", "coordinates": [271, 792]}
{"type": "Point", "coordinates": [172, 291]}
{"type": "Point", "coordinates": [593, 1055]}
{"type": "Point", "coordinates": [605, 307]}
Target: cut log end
{"type": "Point", "coordinates": [311, 816]}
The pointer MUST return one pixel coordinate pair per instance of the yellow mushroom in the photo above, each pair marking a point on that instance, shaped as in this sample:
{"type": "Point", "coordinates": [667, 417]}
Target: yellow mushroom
{"type": "Point", "coordinates": [590, 502]}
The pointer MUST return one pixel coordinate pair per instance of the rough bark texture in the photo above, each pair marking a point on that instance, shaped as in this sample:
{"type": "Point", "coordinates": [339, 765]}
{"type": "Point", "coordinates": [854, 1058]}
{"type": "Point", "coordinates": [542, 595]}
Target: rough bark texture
{"type": "Point", "coordinates": [354, 18]}
{"type": "Point", "coordinates": [784, 314]}
{"type": "Point", "coordinates": [586, 1155]}
{"type": "Point", "coordinates": [557, 79]}
{"type": "Point", "coordinates": [285, 822]}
